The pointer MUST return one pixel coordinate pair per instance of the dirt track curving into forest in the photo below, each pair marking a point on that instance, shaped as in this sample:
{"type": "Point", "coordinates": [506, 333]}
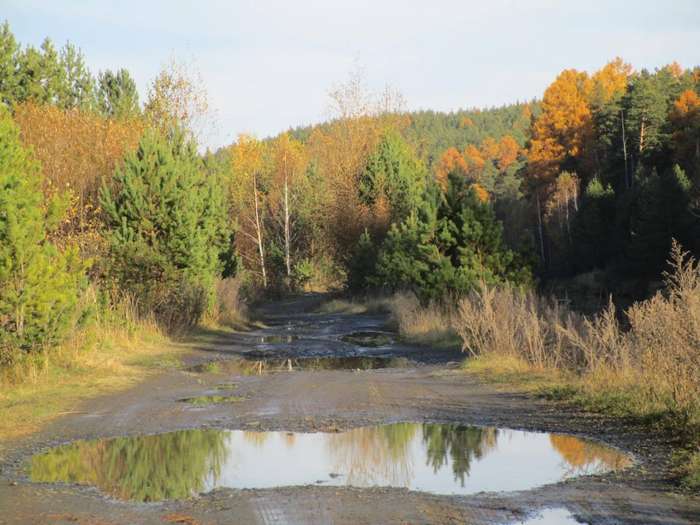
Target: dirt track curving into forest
{"type": "Point", "coordinates": [426, 387]}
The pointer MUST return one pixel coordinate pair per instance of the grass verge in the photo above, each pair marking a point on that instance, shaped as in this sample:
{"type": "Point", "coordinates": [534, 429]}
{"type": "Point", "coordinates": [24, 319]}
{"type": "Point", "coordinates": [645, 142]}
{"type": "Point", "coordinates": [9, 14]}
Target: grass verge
{"type": "Point", "coordinates": [110, 353]}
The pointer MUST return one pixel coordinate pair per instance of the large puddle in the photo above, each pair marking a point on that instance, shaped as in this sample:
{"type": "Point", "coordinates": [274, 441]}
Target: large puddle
{"type": "Point", "coordinates": [435, 458]}
{"type": "Point", "coordinates": [254, 366]}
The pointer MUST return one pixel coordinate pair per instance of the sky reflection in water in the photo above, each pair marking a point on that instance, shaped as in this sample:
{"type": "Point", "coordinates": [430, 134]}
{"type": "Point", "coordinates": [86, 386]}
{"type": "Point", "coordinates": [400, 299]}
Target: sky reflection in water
{"type": "Point", "coordinates": [435, 458]}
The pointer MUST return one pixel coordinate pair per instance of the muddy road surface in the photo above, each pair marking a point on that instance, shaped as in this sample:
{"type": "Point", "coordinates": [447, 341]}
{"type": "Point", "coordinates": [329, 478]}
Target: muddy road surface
{"type": "Point", "coordinates": [356, 427]}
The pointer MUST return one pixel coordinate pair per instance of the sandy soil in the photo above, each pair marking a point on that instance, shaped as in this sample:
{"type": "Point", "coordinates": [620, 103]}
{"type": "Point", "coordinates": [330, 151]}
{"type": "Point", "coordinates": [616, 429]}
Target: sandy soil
{"type": "Point", "coordinates": [432, 390]}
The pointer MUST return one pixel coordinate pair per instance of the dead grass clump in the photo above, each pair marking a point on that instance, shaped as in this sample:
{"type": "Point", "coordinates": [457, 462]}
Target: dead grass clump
{"type": "Point", "coordinates": [516, 324]}
{"type": "Point", "coordinates": [423, 324]}
{"type": "Point", "coordinates": [365, 305]}
{"type": "Point", "coordinates": [229, 308]}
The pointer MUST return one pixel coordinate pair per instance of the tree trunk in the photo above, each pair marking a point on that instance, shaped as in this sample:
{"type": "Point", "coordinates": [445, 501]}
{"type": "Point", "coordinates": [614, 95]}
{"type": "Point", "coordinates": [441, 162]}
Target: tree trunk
{"type": "Point", "coordinates": [258, 230]}
{"type": "Point", "coordinates": [624, 147]}
{"type": "Point", "coordinates": [287, 232]}
{"type": "Point", "coordinates": [539, 224]}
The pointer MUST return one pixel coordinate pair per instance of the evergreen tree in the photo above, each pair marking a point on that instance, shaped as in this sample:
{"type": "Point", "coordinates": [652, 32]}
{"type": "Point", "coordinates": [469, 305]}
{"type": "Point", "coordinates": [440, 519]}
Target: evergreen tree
{"type": "Point", "coordinates": [447, 245]}
{"type": "Point", "coordinates": [593, 226]}
{"type": "Point", "coordinates": [78, 89]}
{"type": "Point", "coordinates": [167, 216]}
{"type": "Point", "coordinates": [117, 96]}
{"type": "Point", "coordinates": [392, 171]}
{"type": "Point", "coordinates": [8, 65]}
{"type": "Point", "coordinates": [39, 285]}
{"type": "Point", "coordinates": [659, 212]}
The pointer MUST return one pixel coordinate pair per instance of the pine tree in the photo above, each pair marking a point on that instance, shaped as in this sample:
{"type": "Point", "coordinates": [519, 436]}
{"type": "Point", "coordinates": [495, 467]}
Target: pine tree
{"type": "Point", "coordinates": [392, 172]}
{"type": "Point", "coordinates": [38, 284]}
{"type": "Point", "coordinates": [447, 245]}
{"type": "Point", "coordinates": [8, 65]}
{"type": "Point", "coordinates": [167, 219]}
{"type": "Point", "coordinates": [79, 87]}
{"type": "Point", "coordinates": [593, 227]}
{"type": "Point", "coordinates": [117, 96]}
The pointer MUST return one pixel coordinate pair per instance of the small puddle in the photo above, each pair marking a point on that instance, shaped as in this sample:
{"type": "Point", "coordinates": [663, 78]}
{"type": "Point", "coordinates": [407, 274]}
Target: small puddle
{"type": "Point", "coordinates": [277, 339]}
{"type": "Point", "coordinates": [261, 366]}
{"type": "Point", "coordinates": [211, 400]}
{"type": "Point", "coordinates": [556, 516]}
{"type": "Point", "coordinates": [368, 339]}
{"type": "Point", "coordinates": [434, 458]}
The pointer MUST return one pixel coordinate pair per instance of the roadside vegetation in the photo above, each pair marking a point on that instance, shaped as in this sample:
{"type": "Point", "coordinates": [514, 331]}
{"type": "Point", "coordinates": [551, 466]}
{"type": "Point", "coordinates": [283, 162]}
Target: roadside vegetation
{"type": "Point", "coordinates": [642, 362]}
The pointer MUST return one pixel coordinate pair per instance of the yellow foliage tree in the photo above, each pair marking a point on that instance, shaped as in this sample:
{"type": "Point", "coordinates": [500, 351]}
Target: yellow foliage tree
{"type": "Point", "coordinates": [77, 151]}
{"type": "Point", "coordinates": [610, 81]}
{"type": "Point", "coordinates": [563, 129]}
{"type": "Point", "coordinates": [508, 151]}
{"type": "Point", "coordinates": [248, 204]}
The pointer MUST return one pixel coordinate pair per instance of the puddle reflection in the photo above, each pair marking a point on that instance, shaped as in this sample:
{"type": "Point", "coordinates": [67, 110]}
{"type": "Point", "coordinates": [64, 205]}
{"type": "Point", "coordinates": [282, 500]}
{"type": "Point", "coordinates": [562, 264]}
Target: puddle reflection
{"type": "Point", "coordinates": [435, 458]}
{"type": "Point", "coordinates": [556, 516]}
{"type": "Point", "coordinates": [254, 366]}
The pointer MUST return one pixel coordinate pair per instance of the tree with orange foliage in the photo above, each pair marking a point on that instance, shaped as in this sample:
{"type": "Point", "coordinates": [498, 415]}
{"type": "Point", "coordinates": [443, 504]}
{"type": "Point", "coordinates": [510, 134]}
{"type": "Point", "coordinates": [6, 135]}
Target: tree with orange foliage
{"type": "Point", "coordinates": [451, 161]}
{"type": "Point", "coordinates": [563, 129]}
{"type": "Point", "coordinates": [685, 120]}
{"type": "Point", "coordinates": [610, 81]}
{"type": "Point", "coordinates": [481, 193]}
{"type": "Point", "coordinates": [508, 151]}
{"type": "Point", "coordinates": [489, 148]}
{"type": "Point", "coordinates": [474, 160]}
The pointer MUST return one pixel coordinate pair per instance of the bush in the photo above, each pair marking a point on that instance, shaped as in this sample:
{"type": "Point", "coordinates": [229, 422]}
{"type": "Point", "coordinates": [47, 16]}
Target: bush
{"type": "Point", "coordinates": [39, 285]}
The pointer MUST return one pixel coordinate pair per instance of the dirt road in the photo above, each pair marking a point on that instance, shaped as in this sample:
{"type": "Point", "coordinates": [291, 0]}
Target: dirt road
{"type": "Point", "coordinates": [426, 386]}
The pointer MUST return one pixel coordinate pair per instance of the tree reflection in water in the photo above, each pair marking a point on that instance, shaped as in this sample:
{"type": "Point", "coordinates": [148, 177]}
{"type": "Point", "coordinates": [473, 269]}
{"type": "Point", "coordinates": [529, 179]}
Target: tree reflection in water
{"type": "Point", "coordinates": [462, 445]}
{"type": "Point", "coordinates": [385, 453]}
{"type": "Point", "coordinates": [370, 454]}
{"type": "Point", "coordinates": [425, 456]}
{"type": "Point", "coordinates": [583, 456]}
{"type": "Point", "coordinates": [176, 465]}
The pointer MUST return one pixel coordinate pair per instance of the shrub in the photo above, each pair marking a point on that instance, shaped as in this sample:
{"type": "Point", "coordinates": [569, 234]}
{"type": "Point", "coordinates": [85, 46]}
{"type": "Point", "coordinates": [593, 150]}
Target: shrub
{"type": "Point", "coordinates": [39, 284]}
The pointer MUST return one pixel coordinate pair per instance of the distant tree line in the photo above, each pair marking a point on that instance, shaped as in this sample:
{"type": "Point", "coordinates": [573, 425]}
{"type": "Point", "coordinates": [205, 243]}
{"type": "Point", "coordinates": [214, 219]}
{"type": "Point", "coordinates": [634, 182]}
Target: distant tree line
{"type": "Point", "coordinates": [100, 191]}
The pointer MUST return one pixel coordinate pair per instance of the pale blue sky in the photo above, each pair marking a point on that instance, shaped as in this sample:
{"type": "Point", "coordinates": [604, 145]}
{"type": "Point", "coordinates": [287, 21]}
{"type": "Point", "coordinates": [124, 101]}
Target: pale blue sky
{"type": "Point", "coordinates": [268, 65]}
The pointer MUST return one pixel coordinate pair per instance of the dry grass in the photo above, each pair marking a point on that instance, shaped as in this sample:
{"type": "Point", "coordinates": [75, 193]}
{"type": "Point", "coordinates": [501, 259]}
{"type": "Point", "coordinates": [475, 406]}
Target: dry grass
{"type": "Point", "coordinates": [429, 325]}
{"type": "Point", "coordinates": [649, 368]}
{"type": "Point", "coordinates": [355, 306]}
{"type": "Point", "coordinates": [229, 309]}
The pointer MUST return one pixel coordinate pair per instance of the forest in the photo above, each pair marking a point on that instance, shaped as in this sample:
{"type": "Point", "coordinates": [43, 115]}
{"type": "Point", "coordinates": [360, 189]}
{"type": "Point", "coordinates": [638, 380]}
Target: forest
{"type": "Point", "coordinates": [579, 210]}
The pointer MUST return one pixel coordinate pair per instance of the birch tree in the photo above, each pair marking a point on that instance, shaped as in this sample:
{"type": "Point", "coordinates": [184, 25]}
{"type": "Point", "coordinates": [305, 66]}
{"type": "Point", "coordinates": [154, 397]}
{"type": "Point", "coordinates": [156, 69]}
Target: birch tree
{"type": "Point", "coordinates": [248, 201]}
{"type": "Point", "coordinates": [289, 162]}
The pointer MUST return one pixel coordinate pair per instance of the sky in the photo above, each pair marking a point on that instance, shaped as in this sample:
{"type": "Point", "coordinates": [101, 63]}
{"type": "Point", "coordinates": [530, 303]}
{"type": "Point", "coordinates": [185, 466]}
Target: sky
{"type": "Point", "coordinates": [268, 65]}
